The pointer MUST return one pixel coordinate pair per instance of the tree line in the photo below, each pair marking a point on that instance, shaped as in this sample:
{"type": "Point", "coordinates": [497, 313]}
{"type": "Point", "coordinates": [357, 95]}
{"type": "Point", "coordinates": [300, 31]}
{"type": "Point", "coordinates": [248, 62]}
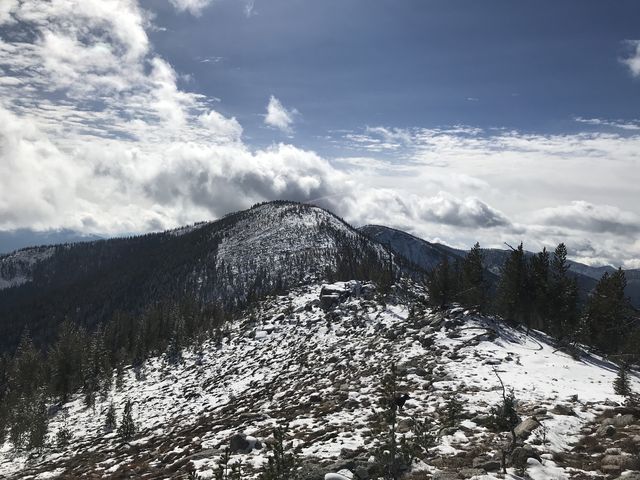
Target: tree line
{"type": "Point", "coordinates": [540, 292]}
{"type": "Point", "coordinates": [90, 362]}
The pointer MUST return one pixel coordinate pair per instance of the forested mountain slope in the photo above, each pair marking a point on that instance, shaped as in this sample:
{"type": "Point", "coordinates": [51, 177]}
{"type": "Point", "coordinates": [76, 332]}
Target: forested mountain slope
{"type": "Point", "coordinates": [229, 262]}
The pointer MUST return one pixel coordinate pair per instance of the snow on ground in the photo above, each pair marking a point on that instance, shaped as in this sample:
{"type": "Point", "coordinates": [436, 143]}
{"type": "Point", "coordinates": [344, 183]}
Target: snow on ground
{"type": "Point", "coordinates": [320, 372]}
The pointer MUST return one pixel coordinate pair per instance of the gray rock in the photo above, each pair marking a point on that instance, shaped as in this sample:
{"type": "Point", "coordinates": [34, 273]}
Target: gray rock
{"type": "Point", "coordinates": [561, 409]}
{"type": "Point", "coordinates": [524, 428]}
{"type": "Point", "coordinates": [606, 431]}
{"type": "Point", "coordinates": [470, 472]}
{"type": "Point", "coordinates": [620, 420]}
{"type": "Point", "coordinates": [445, 476]}
{"type": "Point", "coordinates": [238, 444]}
{"type": "Point", "coordinates": [487, 464]}
{"type": "Point", "coordinates": [625, 462]}
{"type": "Point", "coordinates": [520, 455]}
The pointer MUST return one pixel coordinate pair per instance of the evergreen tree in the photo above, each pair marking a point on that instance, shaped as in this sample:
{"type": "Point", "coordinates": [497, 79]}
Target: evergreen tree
{"type": "Point", "coordinates": [66, 360]}
{"type": "Point", "coordinates": [563, 290]}
{"type": "Point", "coordinates": [110, 418]}
{"type": "Point", "coordinates": [38, 424]}
{"type": "Point", "coordinates": [282, 463]}
{"type": "Point", "coordinates": [474, 285]}
{"type": "Point", "coordinates": [514, 292]}
{"type": "Point", "coordinates": [388, 452]}
{"type": "Point", "coordinates": [621, 384]}
{"type": "Point", "coordinates": [25, 393]}
{"type": "Point", "coordinates": [442, 284]}
{"type": "Point", "coordinates": [608, 317]}
{"type": "Point", "coordinates": [539, 281]}
{"type": "Point", "coordinates": [127, 428]}
{"type": "Point", "coordinates": [227, 470]}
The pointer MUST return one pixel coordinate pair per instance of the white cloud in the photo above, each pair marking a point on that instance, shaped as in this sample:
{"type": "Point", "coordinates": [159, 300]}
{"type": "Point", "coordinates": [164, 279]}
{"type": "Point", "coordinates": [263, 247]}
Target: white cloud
{"type": "Point", "coordinates": [96, 135]}
{"type": "Point", "coordinates": [633, 61]}
{"type": "Point", "coordinates": [194, 7]}
{"type": "Point", "coordinates": [586, 217]}
{"type": "Point", "coordinates": [278, 116]}
{"type": "Point", "coordinates": [623, 125]}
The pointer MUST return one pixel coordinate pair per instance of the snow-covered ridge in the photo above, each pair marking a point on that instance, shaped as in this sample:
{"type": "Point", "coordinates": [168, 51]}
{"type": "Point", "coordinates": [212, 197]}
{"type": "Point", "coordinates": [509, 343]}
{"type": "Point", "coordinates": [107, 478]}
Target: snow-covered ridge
{"type": "Point", "coordinates": [319, 371]}
{"type": "Point", "coordinates": [17, 268]}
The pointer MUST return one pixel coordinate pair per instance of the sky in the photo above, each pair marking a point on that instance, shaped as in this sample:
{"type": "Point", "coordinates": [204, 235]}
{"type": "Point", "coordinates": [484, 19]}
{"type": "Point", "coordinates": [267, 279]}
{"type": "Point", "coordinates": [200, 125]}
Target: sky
{"type": "Point", "coordinates": [455, 120]}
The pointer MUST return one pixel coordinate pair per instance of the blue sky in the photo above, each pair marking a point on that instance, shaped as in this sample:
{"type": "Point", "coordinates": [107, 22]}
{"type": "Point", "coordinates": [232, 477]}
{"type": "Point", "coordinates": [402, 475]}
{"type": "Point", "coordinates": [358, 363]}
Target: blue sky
{"type": "Point", "coordinates": [532, 66]}
{"type": "Point", "coordinates": [459, 121]}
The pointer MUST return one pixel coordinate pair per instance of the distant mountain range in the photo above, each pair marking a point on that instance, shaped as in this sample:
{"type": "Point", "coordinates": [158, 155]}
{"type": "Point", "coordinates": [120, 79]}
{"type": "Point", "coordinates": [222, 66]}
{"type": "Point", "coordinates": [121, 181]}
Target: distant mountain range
{"type": "Point", "coordinates": [269, 248]}
{"type": "Point", "coordinates": [13, 240]}
{"type": "Point", "coordinates": [427, 255]}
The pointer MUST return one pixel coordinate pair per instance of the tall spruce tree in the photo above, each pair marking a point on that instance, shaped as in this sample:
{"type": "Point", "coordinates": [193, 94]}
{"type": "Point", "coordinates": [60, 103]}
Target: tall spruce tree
{"type": "Point", "coordinates": [442, 284]}
{"type": "Point", "coordinates": [563, 289]}
{"type": "Point", "coordinates": [514, 289]}
{"type": "Point", "coordinates": [608, 314]}
{"type": "Point", "coordinates": [474, 288]}
{"type": "Point", "coordinates": [539, 280]}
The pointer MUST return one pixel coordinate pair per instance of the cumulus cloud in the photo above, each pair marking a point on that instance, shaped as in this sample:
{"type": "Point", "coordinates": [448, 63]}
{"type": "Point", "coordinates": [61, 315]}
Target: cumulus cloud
{"type": "Point", "coordinates": [96, 135]}
{"type": "Point", "coordinates": [278, 116]}
{"type": "Point", "coordinates": [468, 212]}
{"type": "Point", "coordinates": [584, 216]}
{"type": "Point", "coordinates": [633, 60]}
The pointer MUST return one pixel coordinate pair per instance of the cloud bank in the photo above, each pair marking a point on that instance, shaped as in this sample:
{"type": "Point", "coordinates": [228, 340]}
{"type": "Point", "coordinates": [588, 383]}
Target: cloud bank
{"type": "Point", "coordinates": [98, 136]}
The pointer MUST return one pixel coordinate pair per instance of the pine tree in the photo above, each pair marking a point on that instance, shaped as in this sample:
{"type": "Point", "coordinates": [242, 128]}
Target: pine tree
{"type": "Point", "coordinates": [608, 317]}
{"type": "Point", "coordinates": [442, 284]}
{"type": "Point", "coordinates": [127, 428]}
{"type": "Point", "coordinates": [282, 464]}
{"type": "Point", "coordinates": [563, 292]}
{"type": "Point", "coordinates": [539, 280]}
{"type": "Point", "coordinates": [38, 425]}
{"type": "Point", "coordinates": [25, 392]}
{"type": "Point", "coordinates": [474, 285]}
{"type": "Point", "coordinates": [227, 470]}
{"type": "Point", "coordinates": [390, 450]}
{"type": "Point", "coordinates": [514, 289]}
{"type": "Point", "coordinates": [66, 359]}
{"type": "Point", "coordinates": [110, 418]}
{"type": "Point", "coordinates": [621, 384]}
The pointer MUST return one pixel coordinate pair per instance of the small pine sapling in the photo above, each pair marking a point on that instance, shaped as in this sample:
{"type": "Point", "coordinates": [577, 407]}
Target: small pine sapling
{"type": "Point", "coordinates": [282, 463]}
{"type": "Point", "coordinates": [110, 418]}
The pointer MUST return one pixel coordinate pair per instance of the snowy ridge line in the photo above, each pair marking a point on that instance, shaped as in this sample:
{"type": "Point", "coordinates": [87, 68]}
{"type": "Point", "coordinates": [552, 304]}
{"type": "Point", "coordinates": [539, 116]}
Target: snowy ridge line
{"type": "Point", "coordinates": [289, 361]}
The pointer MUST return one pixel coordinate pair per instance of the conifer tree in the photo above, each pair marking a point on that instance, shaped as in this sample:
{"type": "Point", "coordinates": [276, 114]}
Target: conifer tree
{"type": "Point", "coordinates": [110, 418]}
{"type": "Point", "coordinates": [282, 463]}
{"type": "Point", "coordinates": [621, 384]}
{"type": "Point", "coordinates": [38, 424]}
{"type": "Point", "coordinates": [563, 293]}
{"type": "Point", "coordinates": [539, 282]}
{"type": "Point", "coordinates": [127, 428]}
{"type": "Point", "coordinates": [514, 292]}
{"type": "Point", "coordinates": [608, 315]}
{"type": "Point", "coordinates": [442, 285]}
{"type": "Point", "coordinates": [474, 285]}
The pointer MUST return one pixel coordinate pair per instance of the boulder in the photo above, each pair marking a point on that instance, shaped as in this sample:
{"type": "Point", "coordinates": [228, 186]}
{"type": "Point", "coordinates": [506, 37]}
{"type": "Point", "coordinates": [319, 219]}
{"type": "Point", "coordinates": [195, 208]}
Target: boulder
{"type": "Point", "coordinates": [625, 462]}
{"type": "Point", "coordinates": [619, 420]}
{"type": "Point", "coordinates": [606, 431]}
{"type": "Point", "coordinates": [520, 455]}
{"type": "Point", "coordinates": [524, 428]}
{"type": "Point", "coordinates": [561, 409]}
{"type": "Point", "coordinates": [238, 443]}
{"type": "Point", "coordinates": [487, 464]}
